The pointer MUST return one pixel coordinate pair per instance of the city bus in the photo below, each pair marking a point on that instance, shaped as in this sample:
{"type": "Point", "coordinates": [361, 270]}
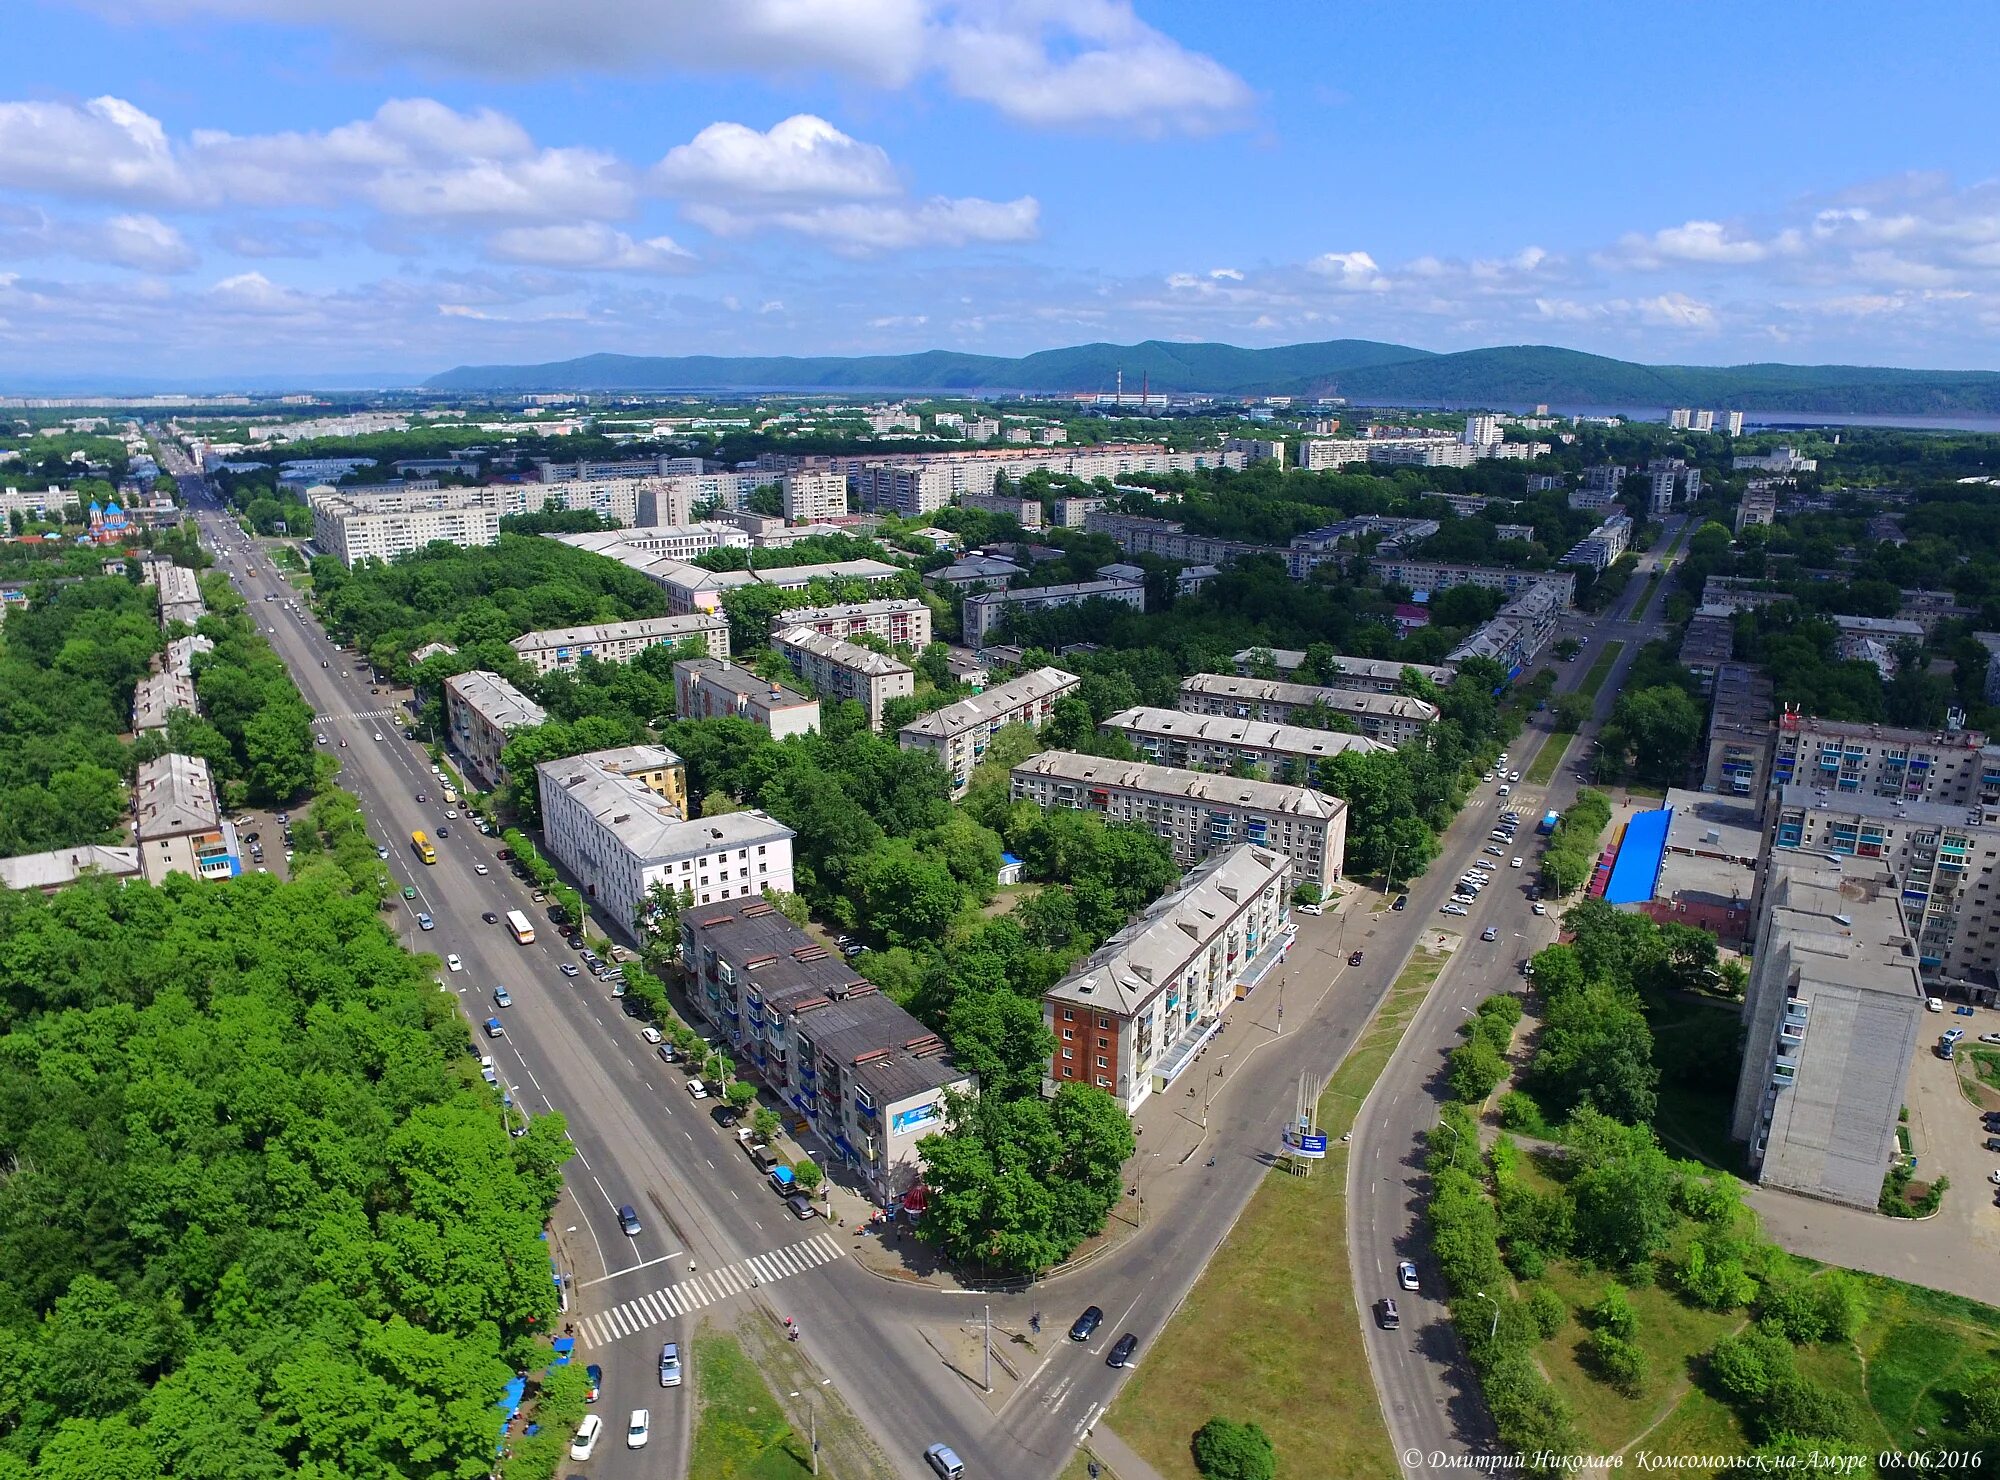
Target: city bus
{"type": "Point", "coordinates": [518, 923]}
{"type": "Point", "coordinates": [422, 844]}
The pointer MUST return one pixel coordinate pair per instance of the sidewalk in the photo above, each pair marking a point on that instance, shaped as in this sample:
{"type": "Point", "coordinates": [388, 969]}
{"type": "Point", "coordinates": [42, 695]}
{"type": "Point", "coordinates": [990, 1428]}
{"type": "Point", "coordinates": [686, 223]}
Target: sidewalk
{"type": "Point", "coordinates": [1122, 1461]}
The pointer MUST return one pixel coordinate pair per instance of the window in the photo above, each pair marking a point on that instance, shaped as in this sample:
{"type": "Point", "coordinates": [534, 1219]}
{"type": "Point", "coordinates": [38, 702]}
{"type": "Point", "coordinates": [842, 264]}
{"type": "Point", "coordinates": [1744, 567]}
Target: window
{"type": "Point", "coordinates": [1102, 1062]}
{"type": "Point", "coordinates": [1069, 1033]}
{"type": "Point", "coordinates": [1103, 1083]}
{"type": "Point", "coordinates": [1068, 1016]}
{"type": "Point", "coordinates": [1069, 1053]}
{"type": "Point", "coordinates": [1104, 1022]}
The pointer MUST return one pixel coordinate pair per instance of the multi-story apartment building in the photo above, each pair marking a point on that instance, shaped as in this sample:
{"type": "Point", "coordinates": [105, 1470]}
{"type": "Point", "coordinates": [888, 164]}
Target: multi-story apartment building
{"type": "Point", "coordinates": [1390, 718]}
{"type": "Point", "coordinates": [1435, 575]}
{"type": "Point", "coordinates": [673, 500]}
{"type": "Point", "coordinates": [1519, 631]}
{"type": "Point", "coordinates": [1199, 812]}
{"type": "Point", "coordinates": [548, 470]}
{"type": "Point", "coordinates": [1942, 857]}
{"type": "Point", "coordinates": [481, 710]}
{"type": "Point", "coordinates": [616, 499]}
{"type": "Point", "coordinates": [1481, 431]}
{"type": "Point", "coordinates": [1070, 511]}
{"type": "Point", "coordinates": [1708, 643]}
{"type": "Point", "coordinates": [958, 734]}
{"type": "Point", "coordinates": [1833, 1013]}
{"type": "Point", "coordinates": [1669, 478]}
{"type": "Point", "coordinates": [180, 596]}
{"type": "Point", "coordinates": [681, 542]}
{"type": "Point", "coordinates": [902, 621]}
{"type": "Point", "coordinates": [61, 867]}
{"type": "Point", "coordinates": [1026, 512]}
{"type": "Point", "coordinates": [1757, 506]}
{"type": "Point", "coordinates": [1213, 743]}
{"type": "Point", "coordinates": [1947, 766]}
{"type": "Point", "coordinates": [868, 1078]}
{"type": "Point", "coordinates": [1257, 449]}
{"type": "Point", "coordinates": [1369, 675]}
{"type": "Point", "coordinates": [621, 840]}
{"type": "Point", "coordinates": [838, 669]}
{"type": "Point", "coordinates": [1324, 454]}
{"type": "Point", "coordinates": [905, 491]}
{"type": "Point", "coordinates": [1137, 535]}
{"type": "Point", "coordinates": [709, 688]}
{"type": "Point", "coordinates": [352, 524]}
{"type": "Point", "coordinates": [180, 828]}
{"type": "Point", "coordinates": [986, 612]}
{"type": "Point", "coordinates": [975, 572]}
{"type": "Point", "coordinates": [1134, 1015]}
{"type": "Point", "coordinates": [1778, 460]}
{"type": "Point", "coordinates": [620, 642]}
{"type": "Point", "coordinates": [182, 651]}
{"type": "Point", "coordinates": [1602, 545]}
{"type": "Point", "coordinates": [812, 497]}
{"type": "Point", "coordinates": [1741, 732]}
{"type": "Point", "coordinates": [157, 696]}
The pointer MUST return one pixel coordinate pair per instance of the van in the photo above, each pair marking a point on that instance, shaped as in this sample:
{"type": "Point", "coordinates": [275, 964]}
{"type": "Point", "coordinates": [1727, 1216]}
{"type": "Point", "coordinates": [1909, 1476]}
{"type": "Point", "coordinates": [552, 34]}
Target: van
{"type": "Point", "coordinates": [1387, 1316]}
{"type": "Point", "coordinates": [945, 1461]}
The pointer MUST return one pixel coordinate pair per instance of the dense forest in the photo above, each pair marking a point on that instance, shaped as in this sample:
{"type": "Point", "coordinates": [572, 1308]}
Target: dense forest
{"type": "Point", "coordinates": [260, 1217]}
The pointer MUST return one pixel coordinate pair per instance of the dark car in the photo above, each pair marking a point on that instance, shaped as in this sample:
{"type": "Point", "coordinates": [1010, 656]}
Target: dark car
{"type": "Point", "coordinates": [1355, 959]}
{"type": "Point", "coordinates": [1402, 902]}
{"type": "Point", "coordinates": [1387, 1316]}
{"type": "Point", "coordinates": [1086, 1324]}
{"type": "Point", "coordinates": [628, 1220]}
{"type": "Point", "coordinates": [444, 832]}
{"type": "Point", "coordinates": [1993, 1143]}
{"type": "Point", "coordinates": [490, 918]}
{"type": "Point", "coordinates": [1121, 1354]}
{"type": "Point", "coordinates": [423, 796]}
{"type": "Point", "coordinates": [595, 1374]}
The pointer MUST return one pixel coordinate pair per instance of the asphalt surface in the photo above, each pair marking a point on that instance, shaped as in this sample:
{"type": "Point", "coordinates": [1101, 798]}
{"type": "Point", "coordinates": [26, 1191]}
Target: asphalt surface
{"type": "Point", "coordinates": [640, 1139]}
{"type": "Point", "coordinates": [1429, 1397]}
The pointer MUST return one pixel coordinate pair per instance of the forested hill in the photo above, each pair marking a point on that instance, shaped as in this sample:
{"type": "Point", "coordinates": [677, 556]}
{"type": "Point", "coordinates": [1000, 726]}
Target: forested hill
{"type": "Point", "coordinates": [1360, 369]}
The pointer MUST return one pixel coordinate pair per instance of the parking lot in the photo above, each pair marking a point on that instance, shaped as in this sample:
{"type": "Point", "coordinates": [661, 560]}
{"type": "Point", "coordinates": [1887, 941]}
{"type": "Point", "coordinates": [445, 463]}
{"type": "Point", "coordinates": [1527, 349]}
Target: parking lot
{"type": "Point", "coordinates": [1945, 1130]}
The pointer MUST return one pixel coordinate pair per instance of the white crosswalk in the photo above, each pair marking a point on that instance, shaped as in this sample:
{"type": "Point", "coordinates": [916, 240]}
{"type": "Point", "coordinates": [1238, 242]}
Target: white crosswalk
{"type": "Point", "coordinates": [701, 1290]}
{"type": "Point", "coordinates": [388, 712]}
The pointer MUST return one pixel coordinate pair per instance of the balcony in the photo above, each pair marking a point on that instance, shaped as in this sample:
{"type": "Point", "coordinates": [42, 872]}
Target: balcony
{"type": "Point", "coordinates": [1783, 1073]}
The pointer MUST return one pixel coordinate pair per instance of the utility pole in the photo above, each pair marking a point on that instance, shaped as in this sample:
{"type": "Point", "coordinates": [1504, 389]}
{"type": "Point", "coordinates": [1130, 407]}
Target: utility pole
{"type": "Point", "coordinates": [989, 1348]}
{"type": "Point", "coordinates": [812, 1427]}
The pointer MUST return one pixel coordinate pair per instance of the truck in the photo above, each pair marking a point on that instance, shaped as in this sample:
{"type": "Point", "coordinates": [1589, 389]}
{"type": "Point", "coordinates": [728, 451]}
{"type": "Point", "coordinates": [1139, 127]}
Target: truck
{"type": "Point", "coordinates": [782, 1179]}
{"type": "Point", "coordinates": [756, 1150]}
{"type": "Point", "coordinates": [1548, 823]}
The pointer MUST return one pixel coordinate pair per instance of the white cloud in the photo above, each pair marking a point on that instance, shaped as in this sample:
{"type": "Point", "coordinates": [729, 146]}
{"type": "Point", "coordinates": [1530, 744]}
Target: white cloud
{"type": "Point", "coordinates": [587, 246]}
{"type": "Point", "coordinates": [860, 229]}
{"type": "Point", "coordinates": [138, 241]}
{"type": "Point", "coordinates": [1354, 272]}
{"type": "Point", "coordinates": [1054, 63]}
{"type": "Point", "coordinates": [105, 148]}
{"type": "Point", "coordinates": [1675, 311]}
{"type": "Point", "coordinates": [801, 158]}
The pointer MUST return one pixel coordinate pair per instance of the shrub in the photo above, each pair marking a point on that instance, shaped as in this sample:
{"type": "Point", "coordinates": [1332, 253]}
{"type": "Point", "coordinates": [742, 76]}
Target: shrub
{"type": "Point", "coordinates": [1800, 1407]}
{"type": "Point", "coordinates": [1547, 1311]}
{"type": "Point", "coordinates": [1227, 1450]}
{"type": "Point", "coordinates": [1475, 1069]}
{"type": "Point", "coordinates": [1713, 1277]}
{"type": "Point", "coordinates": [1613, 1313]}
{"type": "Point", "coordinates": [1519, 1112]}
{"type": "Point", "coordinates": [1745, 1367]}
{"type": "Point", "coordinates": [1618, 1361]}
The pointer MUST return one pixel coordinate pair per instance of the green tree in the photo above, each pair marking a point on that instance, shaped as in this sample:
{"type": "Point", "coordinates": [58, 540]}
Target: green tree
{"type": "Point", "coordinates": [1224, 1449]}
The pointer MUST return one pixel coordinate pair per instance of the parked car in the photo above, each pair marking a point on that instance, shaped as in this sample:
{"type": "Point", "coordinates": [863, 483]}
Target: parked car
{"type": "Point", "coordinates": [1304, 909]}
{"type": "Point", "coordinates": [594, 1374]}
{"type": "Point", "coordinates": [1452, 909]}
{"type": "Point", "coordinates": [640, 1429]}
{"type": "Point", "coordinates": [697, 1090]}
{"type": "Point", "coordinates": [586, 1437]}
{"type": "Point", "coordinates": [1402, 902]}
{"type": "Point", "coordinates": [670, 1365]}
{"type": "Point", "coordinates": [1539, 908]}
{"type": "Point", "coordinates": [1406, 1275]}
{"type": "Point", "coordinates": [801, 1206]}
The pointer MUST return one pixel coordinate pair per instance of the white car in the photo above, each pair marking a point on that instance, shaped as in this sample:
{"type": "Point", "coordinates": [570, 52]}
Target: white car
{"type": "Point", "coordinates": [697, 1090]}
{"type": "Point", "coordinates": [1994, 1178]}
{"type": "Point", "coordinates": [639, 1430]}
{"type": "Point", "coordinates": [1516, 863]}
{"type": "Point", "coordinates": [586, 1436]}
{"type": "Point", "coordinates": [481, 869]}
{"type": "Point", "coordinates": [1312, 909]}
{"type": "Point", "coordinates": [1406, 1275]}
{"type": "Point", "coordinates": [378, 734]}
{"type": "Point", "coordinates": [1513, 775]}
{"type": "Point", "coordinates": [1487, 778]}
{"type": "Point", "coordinates": [1452, 909]}
{"type": "Point", "coordinates": [650, 1033]}
{"type": "Point", "coordinates": [454, 963]}
{"type": "Point", "coordinates": [1540, 908]}
{"type": "Point", "coordinates": [450, 813]}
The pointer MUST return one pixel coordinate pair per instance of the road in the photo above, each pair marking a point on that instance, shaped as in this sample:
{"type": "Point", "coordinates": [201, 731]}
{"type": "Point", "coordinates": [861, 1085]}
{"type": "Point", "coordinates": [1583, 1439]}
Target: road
{"type": "Point", "coordinates": [640, 1140]}
{"type": "Point", "coordinates": [1429, 1397]}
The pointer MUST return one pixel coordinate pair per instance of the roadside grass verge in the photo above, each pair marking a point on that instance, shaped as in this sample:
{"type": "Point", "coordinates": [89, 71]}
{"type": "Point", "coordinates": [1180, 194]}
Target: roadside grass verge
{"type": "Point", "coordinates": [1607, 658]}
{"type": "Point", "coordinates": [1548, 760]}
{"type": "Point", "coordinates": [740, 1433]}
{"type": "Point", "coordinates": [1282, 1273]}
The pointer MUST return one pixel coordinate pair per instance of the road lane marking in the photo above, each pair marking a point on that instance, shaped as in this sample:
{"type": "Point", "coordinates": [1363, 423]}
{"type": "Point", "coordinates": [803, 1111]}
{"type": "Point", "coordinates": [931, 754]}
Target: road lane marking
{"type": "Point", "coordinates": [714, 1286]}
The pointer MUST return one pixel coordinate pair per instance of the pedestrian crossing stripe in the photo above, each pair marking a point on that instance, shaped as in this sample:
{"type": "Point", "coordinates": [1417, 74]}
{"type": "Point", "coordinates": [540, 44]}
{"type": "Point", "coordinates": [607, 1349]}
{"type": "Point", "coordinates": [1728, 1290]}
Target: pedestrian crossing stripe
{"type": "Point", "coordinates": [388, 713]}
{"type": "Point", "coordinates": [692, 1294]}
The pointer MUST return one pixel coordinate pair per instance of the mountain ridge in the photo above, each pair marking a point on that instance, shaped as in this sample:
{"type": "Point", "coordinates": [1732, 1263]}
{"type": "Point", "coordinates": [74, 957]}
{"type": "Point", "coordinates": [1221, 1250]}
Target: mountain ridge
{"type": "Point", "coordinates": [1360, 369]}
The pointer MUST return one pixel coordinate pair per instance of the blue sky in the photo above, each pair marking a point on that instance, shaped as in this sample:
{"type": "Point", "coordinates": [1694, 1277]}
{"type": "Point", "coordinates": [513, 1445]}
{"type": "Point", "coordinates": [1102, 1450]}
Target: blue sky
{"type": "Point", "coordinates": [328, 188]}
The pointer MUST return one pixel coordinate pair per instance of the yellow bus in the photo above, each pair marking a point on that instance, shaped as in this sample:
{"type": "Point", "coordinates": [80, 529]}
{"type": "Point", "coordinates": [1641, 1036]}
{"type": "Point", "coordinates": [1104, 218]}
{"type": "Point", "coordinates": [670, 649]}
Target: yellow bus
{"type": "Point", "coordinates": [518, 923]}
{"type": "Point", "coordinates": [425, 850]}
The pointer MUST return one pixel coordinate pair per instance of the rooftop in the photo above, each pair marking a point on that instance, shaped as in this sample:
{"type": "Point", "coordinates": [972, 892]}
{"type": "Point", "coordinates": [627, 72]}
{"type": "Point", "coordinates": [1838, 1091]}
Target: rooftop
{"type": "Point", "coordinates": [174, 795]}
{"type": "Point", "coordinates": [649, 829]}
{"type": "Point", "coordinates": [495, 700]}
{"type": "Point", "coordinates": [849, 655]}
{"type": "Point", "coordinates": [642, 628]}
{"type": "Point", "coordinates": [1196, 786]}
{"type": "Point", "coordinates": [716, 673]}
{"type": "Point", "coordinates": [1744, 699]}
{"type": "Point", "coordinates": [1379, 670]}
{"type": "Point", "coordinates": [1152, 952]}
{"type": "Point", "coordinates": [1068, 592]}
{"type": "Point", "coordinates": [1249, 734]}
{"type": "Point", "coordinates": [1040, 683]}
{"type": "Point", "coordinates": [1277, 691]}
{"type": "Point", "coordinates": [65, 865]}
{"type": "Point", "coordinates": [1796, 794]}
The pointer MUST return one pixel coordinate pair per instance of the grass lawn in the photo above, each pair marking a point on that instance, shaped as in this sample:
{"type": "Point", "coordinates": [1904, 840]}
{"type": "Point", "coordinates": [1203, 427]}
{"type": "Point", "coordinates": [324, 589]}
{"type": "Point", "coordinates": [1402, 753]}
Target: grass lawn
{"type": "Point", "coordinates": [1699, 1424]}
{"type": "Point", "coordinates": [1282, 1273]}
{"type": "Point", "coordinates": [1548, 760]}
{"type": "Point", "coordinates": [1607, 656]}
{"type": "Point", "coordinates": [1920, 1345]}
{"type": "Point", "coordinates": [739, 1431]}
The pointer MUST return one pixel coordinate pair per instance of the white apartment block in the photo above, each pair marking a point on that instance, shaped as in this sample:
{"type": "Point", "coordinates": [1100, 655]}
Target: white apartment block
{"type": "Point", "coordinates": [481, 710]}
{"type": "Point", "coordinates": [1391, 718]}
{"type": "Point", "coordinates": [352, 525]}
{"type": "Point", "coordinates": [548, 470]}
{"type": "Point", "coordinates": [1170, 737]}
{"type": "Point", "coordinates": [180, 828]}
{"type": "Point", "coordinates": [182, 652]}
{"type": "Point", "coordinates": [1432, 575]}
{"type": "Point", "coordinates": [32, 503]}
{"type": "Point", "coordinates": [1955, 767]}
{"type": "Point", "coordinates": [156, 696]}
{"type": "Point", "coordinates": [959, 733]}
{"type": "Point", "coordinates": [1603, 545]}
{"type": "Point", "coordinates": [810, 498]}
{"type": "Point", "coordinates": [1325, 454]}
{"type": "Point", "coordinates": [902, 621]}
{"type": "Point", "coordinates": [1134, 1015]}
{"type": "Point", "coordinates": [1199, 812]}
{"type": "Point", "coordinates": [646, 542]}
{"type": "Point", "coordinates": [986, 612]}
{"type": "Point", "coordinates": [619, 642]}
{"type": "Point", "coordinates": [1519, 630]}
{"type": "Point", "coordinates": [616, 499]}
{"type": "Point", "coordinates": [619, 838]}
{"type": "Point", "coordinates": [1422, 453]}
{"type": "Point", "coordinates": [1257, 449]}
{"type": "Point", "coordinates": [1778, 460]}
{"type": "Point", "coordinates": [1482, 431]}
{"type": "Point", "coordinates": [1370, 675]}
{"type": "Point", "coordinates": [709, 688]}
{"type": "Point", "coordinates": [1026, 512]}
{"type": "Point", "coordinates": [838, 669]}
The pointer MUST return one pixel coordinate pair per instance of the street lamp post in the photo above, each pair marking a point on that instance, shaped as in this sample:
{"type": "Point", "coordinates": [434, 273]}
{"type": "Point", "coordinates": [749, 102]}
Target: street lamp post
{"type": "Point", "coordinates": [1495, 1329]}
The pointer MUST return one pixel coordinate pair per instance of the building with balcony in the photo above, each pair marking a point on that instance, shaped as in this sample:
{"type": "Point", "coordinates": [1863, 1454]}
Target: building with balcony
{"type": "Point", "coordinates": [563, 648]}
{"type": "Point", "coordinates": [901, 621]}
{"type": "Point", "coordinates": [710, 688]}
{"type": "Point", "coordinates": [809, 498]}
{"type": "Point", "coordinates": [353, 524]}
{"type": "Point", "coordinates": [1602, 546]}
{"type": "Point", "coordinates": [986, 612]}
{"type": "Point", "coordinates": [1369, 675]}
{"type": "Point", "coordinates": [1832, 1016]}
{"type": "Point", "coordinates": [481, 710]}
{"type": "Point", "coordinates": [1198, 812]}
{"type": "Point", "coordinates": [681, 542]}
{"type": "Point", "coordinates": [868, 1079]}
{"type": "Point", "coordinates": [620, 839]}
{"type": "Point", "coordinates": [182, 651]}
{"type": "Point", "coordinates": [1214, 743]}
{"type": "Point", "coordinates": [180, 826]}
{"type": "Point", "coordinates": [958, 734]}
{"type": "Point", "coordinates": [1741, 733]}
{"type": "Point", "coordinates": [1134, 1015]}
{"type": "Point", "coordinates": [1390, 718]}
{"type": "Point", "coordinates": [1708, 643]}
{"type": "Point", "coordinates": [837, 669]}
{"type": "Point", "coordinates": [1848, 758]}
{"type": "Point", "coordinates": [1434, 575]}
